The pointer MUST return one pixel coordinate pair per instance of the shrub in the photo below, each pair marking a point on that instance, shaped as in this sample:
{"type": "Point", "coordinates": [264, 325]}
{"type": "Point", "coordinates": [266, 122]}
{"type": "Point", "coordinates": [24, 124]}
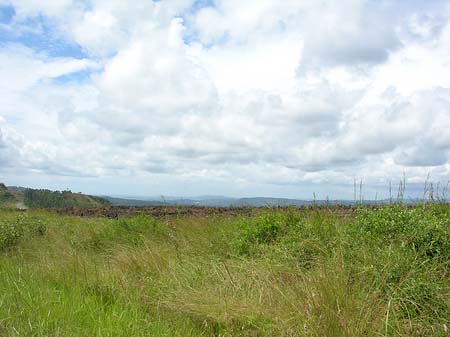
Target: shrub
{"type": "Point", "coordinates": [432, 239]}
{"type": "Point", "coordinates": [424, 229]}
{"type": "Point", "coordinates": [389, 223]}
{"type": "Point", "coordinates": [10, 232]}
{"type": "Point", "coordinates": [140, 224]}
{"type": "Point", "coordinates": [309, 237]}
{"type": "Point", "coordinates": [252, 232]}
{"type": "Point", "coordinates": [406, 252]}
{"type": "Point", "coordinates": [35, 228]}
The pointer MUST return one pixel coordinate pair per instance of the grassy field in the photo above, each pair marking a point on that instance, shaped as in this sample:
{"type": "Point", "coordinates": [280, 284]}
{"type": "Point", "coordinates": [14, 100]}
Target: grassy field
{"type": "Point", "coordinates": [277, 273]}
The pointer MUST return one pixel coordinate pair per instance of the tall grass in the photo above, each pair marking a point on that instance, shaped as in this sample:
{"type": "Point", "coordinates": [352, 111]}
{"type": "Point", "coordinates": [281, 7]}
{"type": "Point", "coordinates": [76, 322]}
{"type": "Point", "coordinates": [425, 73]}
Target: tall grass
{"type": "Point", "coordinates": [278, 273]}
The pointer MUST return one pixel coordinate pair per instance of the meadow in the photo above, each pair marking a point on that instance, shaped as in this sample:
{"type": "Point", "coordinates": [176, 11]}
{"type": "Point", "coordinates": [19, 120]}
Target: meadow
{"type": "Point", "coordinates": [291, 272]}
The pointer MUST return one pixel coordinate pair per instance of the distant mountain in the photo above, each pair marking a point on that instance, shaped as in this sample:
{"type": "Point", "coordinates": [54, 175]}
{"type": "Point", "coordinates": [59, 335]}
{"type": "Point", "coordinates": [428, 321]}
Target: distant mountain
{"type": "Point", "coordinates": [170, 200]}
{"type": "Point", "coordinates": [211, 197]}
{"type": "Point", "coordinates": [259, 201]}
{"type": "Point", "coordinates": [217, 201]}
{"type": "Point", "coordinates": [21, 197]}
{"type": "Point", "coordinates": [132, 202]}
{"type": "Point", "coordinates": [17, 188]}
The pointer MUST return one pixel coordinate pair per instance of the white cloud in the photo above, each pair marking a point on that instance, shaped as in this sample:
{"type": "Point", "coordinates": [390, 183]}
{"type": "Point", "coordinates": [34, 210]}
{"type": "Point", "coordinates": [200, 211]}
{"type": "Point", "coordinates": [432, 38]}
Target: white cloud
{"type": "Point", "coordinates": [256, 93]}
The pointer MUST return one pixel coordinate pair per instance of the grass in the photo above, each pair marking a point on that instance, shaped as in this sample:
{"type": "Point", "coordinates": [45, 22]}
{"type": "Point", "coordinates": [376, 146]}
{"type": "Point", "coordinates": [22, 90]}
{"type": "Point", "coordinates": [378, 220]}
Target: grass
{"type": "Point", "coordinates": [277, 273]}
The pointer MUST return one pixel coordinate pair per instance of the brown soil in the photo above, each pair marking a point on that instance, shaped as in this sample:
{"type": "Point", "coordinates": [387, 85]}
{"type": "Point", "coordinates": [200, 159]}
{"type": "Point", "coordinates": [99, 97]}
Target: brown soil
{"type": "Point", "coordinates": [174, 211]}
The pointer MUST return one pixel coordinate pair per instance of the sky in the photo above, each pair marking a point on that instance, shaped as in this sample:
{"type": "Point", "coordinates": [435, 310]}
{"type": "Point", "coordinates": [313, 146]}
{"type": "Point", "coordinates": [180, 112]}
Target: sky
{"type": "Point", "coordinates": [225, 97]}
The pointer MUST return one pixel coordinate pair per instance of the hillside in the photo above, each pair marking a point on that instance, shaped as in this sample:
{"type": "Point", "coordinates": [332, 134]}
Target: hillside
{"type": "Point", "coordinates": [19, 197]}
{"type": "Point", "coordinates": [7, 197]}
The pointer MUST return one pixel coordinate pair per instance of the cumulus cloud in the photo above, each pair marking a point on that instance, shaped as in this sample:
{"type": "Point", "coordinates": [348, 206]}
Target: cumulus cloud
{"type": "Point", "coordinates": [7, 149]}
{"type": "Point", "coordinates": [254, 93]}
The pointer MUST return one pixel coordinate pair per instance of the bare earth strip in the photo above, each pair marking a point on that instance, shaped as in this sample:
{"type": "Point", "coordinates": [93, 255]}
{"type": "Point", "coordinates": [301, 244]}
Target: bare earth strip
{"type": "Point", "coordinates": [21, 205]}
{"type": "Point", "coordinates": [174, 211]}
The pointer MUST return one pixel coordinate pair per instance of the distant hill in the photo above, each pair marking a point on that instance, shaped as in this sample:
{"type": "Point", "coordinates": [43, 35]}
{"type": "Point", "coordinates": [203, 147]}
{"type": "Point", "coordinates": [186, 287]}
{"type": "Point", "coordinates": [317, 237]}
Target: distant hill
{"type": "Point", "coordinates": [7, 197]}
{"type": "Point", "coordinates": [21, 197]}
{"type": "Point", "coordinates": [17, 188]}
{"type": "Point", "coordinates": [132, 202]}
{"type": "Point", "coordinates": [55, 199]}
{"type": "Point", "coordinates": [218, 201]}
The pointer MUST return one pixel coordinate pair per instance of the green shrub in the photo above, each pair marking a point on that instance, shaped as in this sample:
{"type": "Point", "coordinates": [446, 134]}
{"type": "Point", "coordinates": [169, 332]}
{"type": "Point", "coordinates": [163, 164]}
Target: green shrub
{"type": "Point", "coordinates": [309, 237]}
{"type": "Point", "coordinates": [432, 239]}
{"type": "Point", "coordinates": [303, 252]}
{"type": "Point", "coordinates": [35, 228]}
{"type": "Point", "coordinates": [301, 236]}
{"type": "Point", "coordinates": [12, 230]}
{"type": "Point", "coordinates": [10, 233]}
{"type": "Point", "coordinates": [424, 229]}
{"type": "Point", "coordinates": [388, 223]}
{"type": "Point", "coordinates": [252, 232]}
{"type": "Point", "coordinates": [140, 224]}
{"type": "Point", "coordinates": [405, 253]}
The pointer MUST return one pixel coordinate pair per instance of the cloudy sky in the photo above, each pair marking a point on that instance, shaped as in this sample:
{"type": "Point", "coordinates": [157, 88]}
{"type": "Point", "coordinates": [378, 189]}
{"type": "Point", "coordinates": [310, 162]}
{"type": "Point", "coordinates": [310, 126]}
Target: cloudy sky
{"type": "Point", "coordinates": [231, 97]}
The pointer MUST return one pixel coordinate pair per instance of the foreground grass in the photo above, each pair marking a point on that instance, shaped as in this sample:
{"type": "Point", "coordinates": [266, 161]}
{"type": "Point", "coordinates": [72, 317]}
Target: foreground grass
{"type": "Point", "coordinates": [280, 273]}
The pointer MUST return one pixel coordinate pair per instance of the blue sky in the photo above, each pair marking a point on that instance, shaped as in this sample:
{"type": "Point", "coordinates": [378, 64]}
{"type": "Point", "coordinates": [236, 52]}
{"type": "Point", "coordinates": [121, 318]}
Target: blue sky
{"type": "Point", "coordinates": [6, 13]}
{"type": "Point", "coordinates": [253, 98]}
{"type": "Point", "coordinates": [37, 33]}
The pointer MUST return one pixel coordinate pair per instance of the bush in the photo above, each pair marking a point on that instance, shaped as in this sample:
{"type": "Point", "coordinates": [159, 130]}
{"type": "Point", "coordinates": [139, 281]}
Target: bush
{"type": "Point", "coordinates": [424, 229]}
{"type": "Point", "coordinates": [388, 223]}
{"type": "Point", "coordinates": [35, 228]}
{"type": "Point", "coordinates": [432, 239]}
{"type": "Point", "coordinates": [252, 232]}
{"type": "Point", "coordinates": [9, 234]}
{"type": "Point", "coordinates": [139, 224]}
{"type": "Point", "coordinates": [405, 253]}
{"type": "Point", "coordinates": [12, 230]}
{"type": "Point", "coordinates": [310, 237]}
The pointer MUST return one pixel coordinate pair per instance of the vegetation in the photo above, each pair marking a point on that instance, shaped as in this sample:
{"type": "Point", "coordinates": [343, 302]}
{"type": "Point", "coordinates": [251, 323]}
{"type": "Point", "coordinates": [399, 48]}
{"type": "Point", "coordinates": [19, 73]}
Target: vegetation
{"type": "Point", "coordinates": [17, 197]}
{"type": "Point", "coordinates": [310, 272]}
{"type": "Point", "coordinates": [55, 199]}
{"type": "Point", "coordinates": [7, 198]}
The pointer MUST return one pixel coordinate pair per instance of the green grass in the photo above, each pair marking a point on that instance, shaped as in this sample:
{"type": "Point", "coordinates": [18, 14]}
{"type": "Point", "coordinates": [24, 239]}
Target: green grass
{"type": "Point", "coordinates": [278, 273]}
